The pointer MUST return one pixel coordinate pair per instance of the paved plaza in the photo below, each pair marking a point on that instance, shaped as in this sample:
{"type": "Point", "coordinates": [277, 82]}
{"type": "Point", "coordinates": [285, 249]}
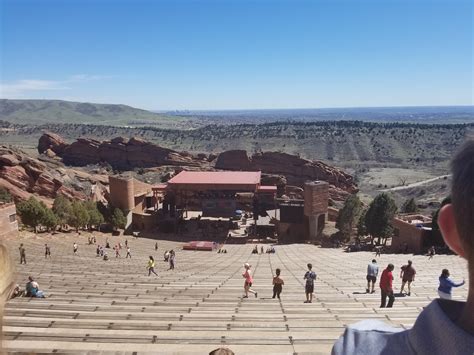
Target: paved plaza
{"type": "Point", "coordinates": [99, 306]}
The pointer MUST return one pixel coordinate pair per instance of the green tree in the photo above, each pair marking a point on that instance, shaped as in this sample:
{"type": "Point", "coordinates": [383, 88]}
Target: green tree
{"type": "Point", "coordinates": [409, 206]}
{"type": "Point", "coordinates": [95, 217]}
{"type": "Point", "coordinates": [49, 219]}
{"type": "Point", "coordinates": [62, 208]}
{"type": "Point", "coordinates": [5, 196]}
{"type": "Point", "coordinates": [79, 217]}
{"type": "Point", "coordinates": [118, 219]}
{"type": "Point", "coordinates": [348, 215]}
{"type": "Point", "coordinates": [361, 227]}
{"type": "Point", "coordinates": [31, 212]}
{"type": "Point", "coordinates": [378, 218]}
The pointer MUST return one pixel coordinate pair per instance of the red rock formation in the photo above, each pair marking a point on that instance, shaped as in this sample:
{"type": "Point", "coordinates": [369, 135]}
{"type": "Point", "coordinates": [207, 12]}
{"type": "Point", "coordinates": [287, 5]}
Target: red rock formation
{"type": "Point", "coordinates": [23, 176]}
{"type": "Point", "coordinates": [53, 142]}
{"type": "Point", "coordinates": [296, 170]}
{"type": "Point", "coordinates": [125, 154]}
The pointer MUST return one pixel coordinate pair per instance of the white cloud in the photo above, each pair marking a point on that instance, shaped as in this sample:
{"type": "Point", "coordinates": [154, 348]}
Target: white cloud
{"type": "Point", "coordinates": [87, 77]}
{"type": "Point", "coordinates": [21, 88]}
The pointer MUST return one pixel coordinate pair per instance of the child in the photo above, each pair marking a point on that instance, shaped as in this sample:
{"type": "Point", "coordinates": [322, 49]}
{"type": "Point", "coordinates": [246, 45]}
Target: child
{"type": "Point", "coordinates": [277, 284]}
{"type": "Point", "coordinates": [248, 281]}
{"type": "Point", "coordinates": [310, 276]}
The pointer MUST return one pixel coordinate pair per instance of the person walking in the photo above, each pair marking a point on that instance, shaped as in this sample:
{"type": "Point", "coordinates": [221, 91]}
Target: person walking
{"type": "Point", "coordinates": [407, 274]}
{"type": "Point", "coordinates": [129, 254]}
{"type": "Point", "coordinates": [47, 251]}
{"type": "Point", "coordinates": [446, 285]}
{"type": "Point", "coordinates": [309, 276]}
{"type": "Point", "coordinates": [431, 252]}
{"type": "Point", "coordinates": [172, 259]}
{"type": "Point", "coordinates": [247, 275]}
{"type": "Point", "coordinates": [74, 248]}
{"type": "Point", "coordinates": [151, 266]}
{"type": "Point", "coordinates": [372, 273]}
{"type": "Point", "coordinates": [277, 284]}
{"type": "Point", "coordinates": [22, 254]}
{"type": "Point", "coordinates": [117, 251]}
{"type": "Point", "coordinates": [378, 251]}
{"type": "Point", "coordinates": [156, 246]}
{"type": "Point", "coordinates": [386, 287]}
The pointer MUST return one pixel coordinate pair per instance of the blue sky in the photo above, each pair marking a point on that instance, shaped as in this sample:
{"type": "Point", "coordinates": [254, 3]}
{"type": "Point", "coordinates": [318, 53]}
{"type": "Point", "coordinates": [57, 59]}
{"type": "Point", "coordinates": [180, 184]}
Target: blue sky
{"type": "Point", "coordinates": [229, 54]}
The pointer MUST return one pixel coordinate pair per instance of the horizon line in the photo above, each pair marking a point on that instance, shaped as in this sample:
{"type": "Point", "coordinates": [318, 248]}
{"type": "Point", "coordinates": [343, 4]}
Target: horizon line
{"type": "Point", "coordinates": [250, 109]}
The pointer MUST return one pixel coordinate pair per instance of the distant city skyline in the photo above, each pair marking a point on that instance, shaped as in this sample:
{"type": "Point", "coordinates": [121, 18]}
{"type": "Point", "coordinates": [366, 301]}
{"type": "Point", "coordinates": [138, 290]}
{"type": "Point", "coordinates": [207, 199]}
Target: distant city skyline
{"type": "Point", "coordinates": [239, 54]}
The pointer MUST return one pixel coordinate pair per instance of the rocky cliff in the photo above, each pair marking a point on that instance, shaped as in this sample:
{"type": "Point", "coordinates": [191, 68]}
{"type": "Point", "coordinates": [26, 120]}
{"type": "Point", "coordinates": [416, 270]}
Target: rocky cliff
{"type": "Point", "coordinates": [296, 170]}
{"type": "Point", "coordinates": [125, 154]}
{"type": "Point", "coordinates": [128, 154]}
{"type": "Point", "coordinates": [24, 176]}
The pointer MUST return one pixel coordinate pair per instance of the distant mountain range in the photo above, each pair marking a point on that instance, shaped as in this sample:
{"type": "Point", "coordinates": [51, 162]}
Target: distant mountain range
{"type": "Point", "coordinates": [58, 111]}
{"type": "Point", "coordinates": [36, 112]}
{"type": "Point", "coordinates": [414, 114]}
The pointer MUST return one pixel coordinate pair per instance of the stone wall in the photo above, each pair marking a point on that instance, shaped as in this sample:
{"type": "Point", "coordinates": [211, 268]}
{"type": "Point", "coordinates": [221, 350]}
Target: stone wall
{"type": "Point", "coordinates": [8, 221]}
{"type": "Point", "coordinates": [406, 234]}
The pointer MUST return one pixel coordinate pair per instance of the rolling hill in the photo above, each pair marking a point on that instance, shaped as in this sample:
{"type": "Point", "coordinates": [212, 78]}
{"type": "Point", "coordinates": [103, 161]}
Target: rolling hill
{"type": "Point", "coordinates": [57, 111]}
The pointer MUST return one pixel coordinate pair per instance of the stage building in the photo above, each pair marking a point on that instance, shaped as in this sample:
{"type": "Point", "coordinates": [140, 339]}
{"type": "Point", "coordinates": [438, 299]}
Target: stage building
{"type": "Point", "coordinates": [212, 203]}
{"type": "Point", "coordinates": [218, 193]}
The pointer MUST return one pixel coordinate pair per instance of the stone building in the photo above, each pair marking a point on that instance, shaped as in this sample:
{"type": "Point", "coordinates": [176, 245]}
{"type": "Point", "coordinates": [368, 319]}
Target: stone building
{"type": "Point", "coordinates": [410, 232]}
{"type": "Point", "coordinates": [304, 220]}
{"type": "Point", "coordinates": [8, 220]}
{"type": "Point", "coordinates": [135, 199]}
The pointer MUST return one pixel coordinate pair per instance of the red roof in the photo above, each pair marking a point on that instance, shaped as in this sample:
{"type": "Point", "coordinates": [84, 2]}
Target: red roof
{"type": "Point", "coordinates": [217, 177]}
{"type": "Point", "coordinates": [266, 188]}
{"type": "Point", "coordinates": [216, 180]}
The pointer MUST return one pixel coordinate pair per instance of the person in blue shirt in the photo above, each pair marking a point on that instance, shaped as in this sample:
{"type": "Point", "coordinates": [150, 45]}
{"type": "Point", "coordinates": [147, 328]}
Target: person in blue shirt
{"type": "Point", "coordinates": [446, 284]}
{"type": "Point", "coordinates": [309, 276]}
{"type": "Point", "coordinates": [444, 326]}
{"type": "Point", "coordinates": [32, 289]}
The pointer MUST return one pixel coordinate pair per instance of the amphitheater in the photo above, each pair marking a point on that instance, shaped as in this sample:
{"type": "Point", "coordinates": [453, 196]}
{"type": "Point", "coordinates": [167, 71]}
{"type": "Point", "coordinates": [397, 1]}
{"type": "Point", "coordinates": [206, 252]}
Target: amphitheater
{"type": "Point", "coordinates": [113, 307]}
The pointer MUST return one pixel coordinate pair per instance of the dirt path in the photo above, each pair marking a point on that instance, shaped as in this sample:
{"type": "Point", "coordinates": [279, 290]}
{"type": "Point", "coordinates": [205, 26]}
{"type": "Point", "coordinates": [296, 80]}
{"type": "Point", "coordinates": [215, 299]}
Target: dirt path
{"type": "Point", "coordinates": [415, 184]}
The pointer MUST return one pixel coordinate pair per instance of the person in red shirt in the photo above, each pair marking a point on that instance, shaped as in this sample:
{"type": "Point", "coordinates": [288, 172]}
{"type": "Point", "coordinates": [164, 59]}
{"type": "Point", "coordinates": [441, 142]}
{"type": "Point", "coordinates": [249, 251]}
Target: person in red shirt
{"type": "Point", "coordinates": [407, 274]}
{"type": "Point", "coordinates": [386, 287]}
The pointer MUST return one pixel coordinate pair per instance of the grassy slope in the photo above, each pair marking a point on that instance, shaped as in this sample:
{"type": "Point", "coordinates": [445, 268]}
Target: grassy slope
{"type": "Point", "coordinates": [352, 145]}
{"type": "Point", "coordinates": [57, 111]}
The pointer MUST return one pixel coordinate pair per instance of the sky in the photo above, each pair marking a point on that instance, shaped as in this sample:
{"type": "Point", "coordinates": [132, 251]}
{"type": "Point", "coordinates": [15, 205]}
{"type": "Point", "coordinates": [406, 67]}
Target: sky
{"type": "Point", "coordinates": [239, 54]}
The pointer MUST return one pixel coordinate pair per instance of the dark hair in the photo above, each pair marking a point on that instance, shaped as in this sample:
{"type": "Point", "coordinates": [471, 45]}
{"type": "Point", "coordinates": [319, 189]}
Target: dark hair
{"type": "Point", "coordinates": [409, 262]}
{"type": "Point", "coordinates": [445, 273]}
{"type": "Point", "coordinates": [390, 267]}
{"type": "Point", "coordinates": [310, 266]}
{"type": "Point", "coordinates": [221, 351]}
{"type": "Point", "coordinates": [277, 272]}
{"type": "Point", "coordinates": [151, 258]}
{"type": "Point", "coordinates": [374, 261]}
{"type": "Point", "coordinates": [462, 192]}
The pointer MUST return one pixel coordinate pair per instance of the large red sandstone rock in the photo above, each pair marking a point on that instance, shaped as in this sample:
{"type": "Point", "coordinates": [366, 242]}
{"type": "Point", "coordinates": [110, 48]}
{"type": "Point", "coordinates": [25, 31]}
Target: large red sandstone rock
{"type": "Point", "coordinates": [125, 154]}
{"type": "Point", "coordinates": [296, 170]}
{"type": "Point", "coordinates": [23, 176]}
{"type": "Point", "coordinates": [53, 142]}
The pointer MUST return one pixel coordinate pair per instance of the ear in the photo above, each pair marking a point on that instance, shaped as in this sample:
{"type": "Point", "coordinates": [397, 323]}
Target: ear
{"type": "Point", "coordinates": [447, 225]}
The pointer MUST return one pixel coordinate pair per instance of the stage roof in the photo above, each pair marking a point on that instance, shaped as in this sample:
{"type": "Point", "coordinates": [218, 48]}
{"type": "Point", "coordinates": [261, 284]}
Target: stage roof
{"type": "Point", "coordinates": [216, 180]}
